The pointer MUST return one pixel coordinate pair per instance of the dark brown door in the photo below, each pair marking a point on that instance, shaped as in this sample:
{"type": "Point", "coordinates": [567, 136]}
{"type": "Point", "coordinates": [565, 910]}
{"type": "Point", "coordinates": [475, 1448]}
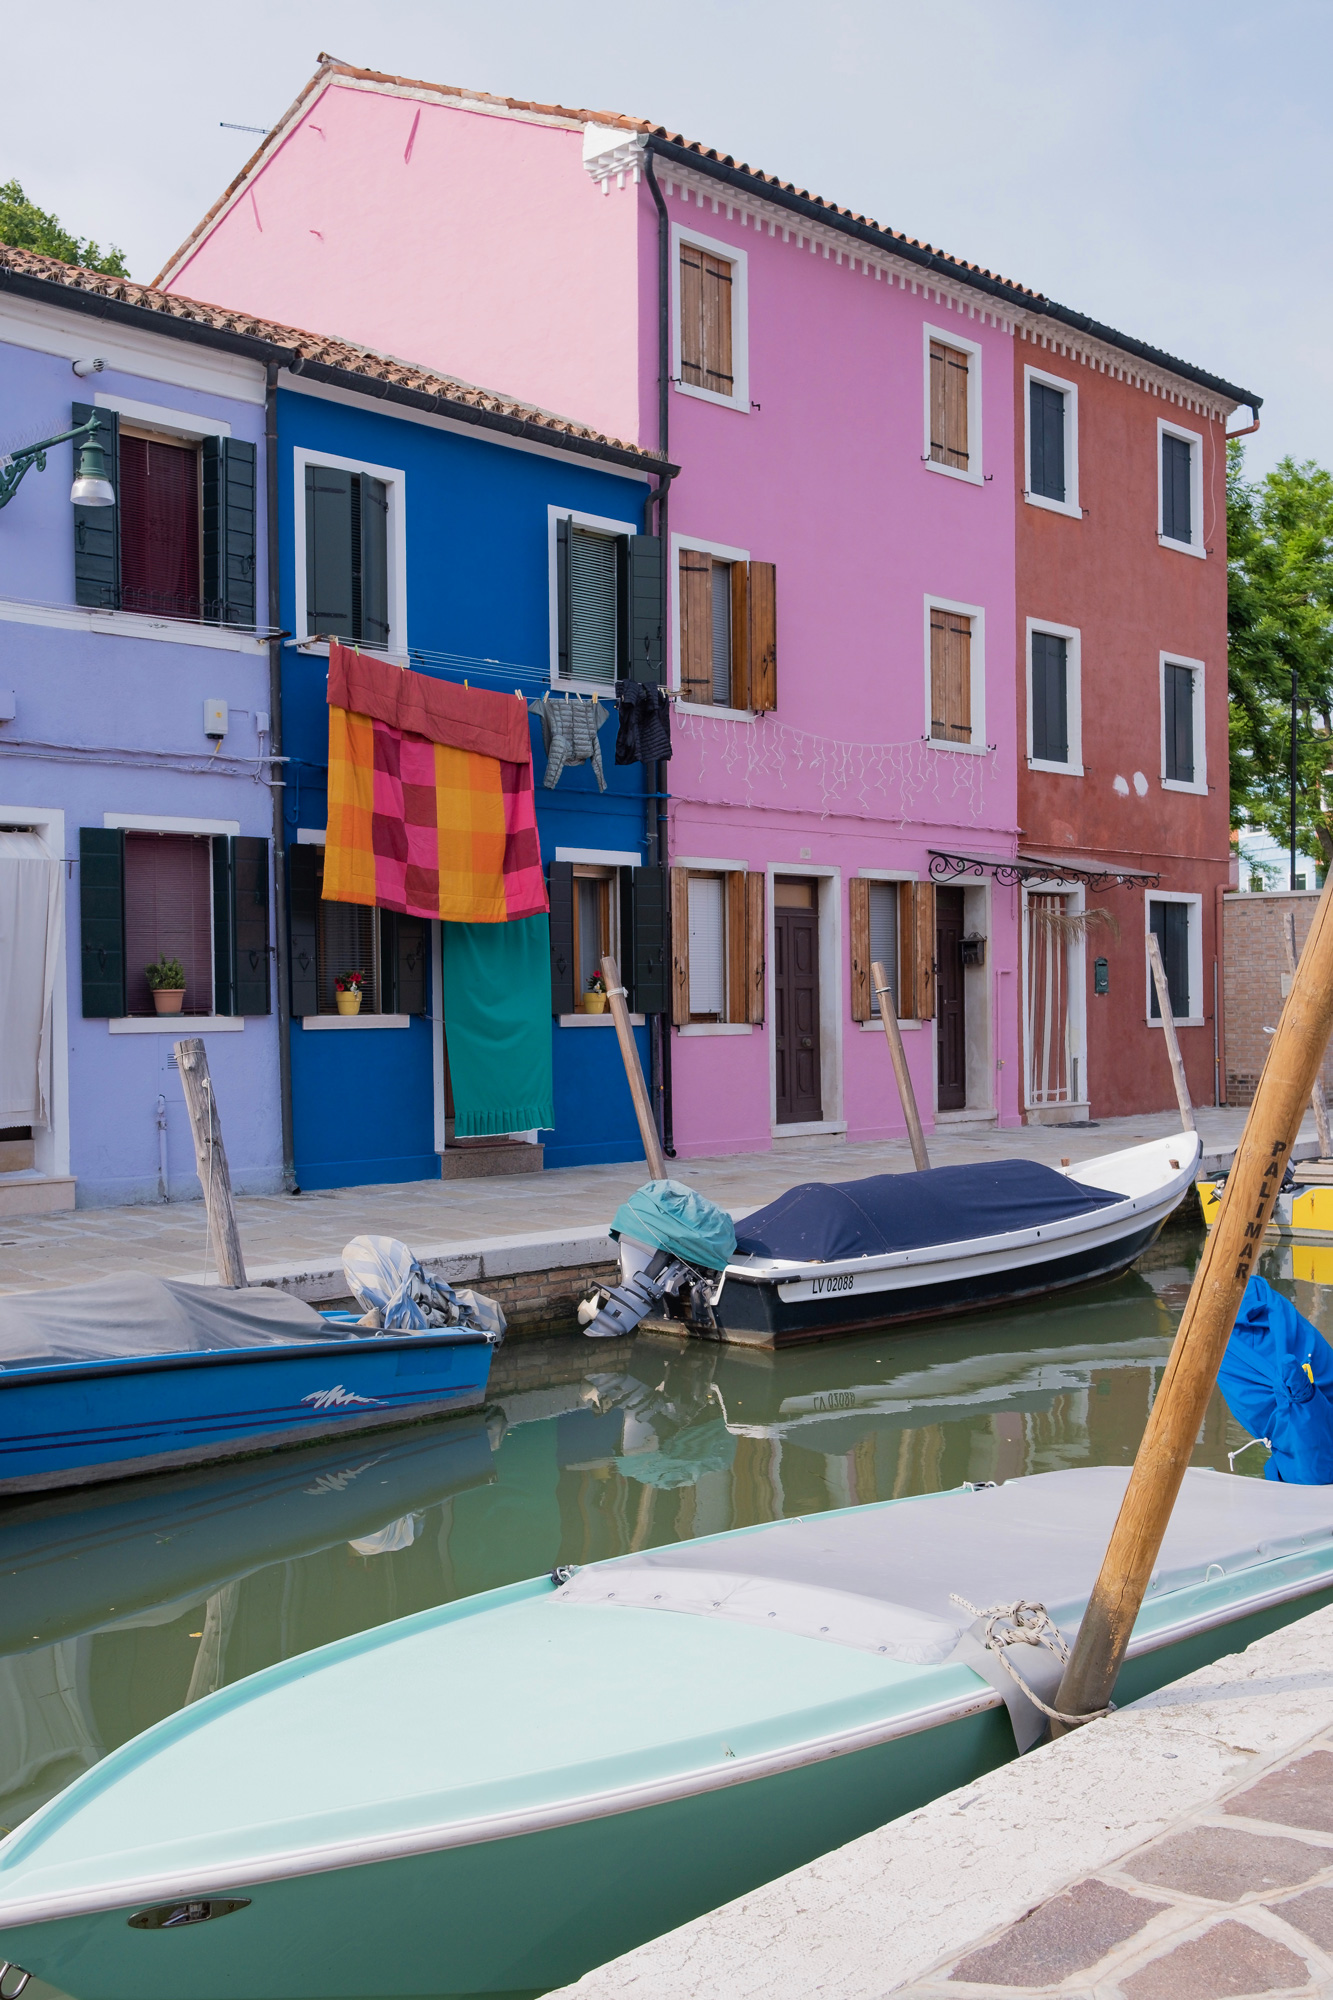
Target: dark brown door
{"type": "Point", "coordinates": [796, 1015]}
{"type": "Point", "coordinates": [950, 1022]}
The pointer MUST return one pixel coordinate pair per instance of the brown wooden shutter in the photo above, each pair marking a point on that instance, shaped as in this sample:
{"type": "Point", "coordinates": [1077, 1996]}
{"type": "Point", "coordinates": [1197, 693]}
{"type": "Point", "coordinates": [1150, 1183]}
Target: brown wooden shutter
{"type": "Point", "coordinates": [738, 948]}
{"type": "Point", "coordinates": [923, 951]}
{"type": "Point", "coordinates": [858, 898]}
{"type": "Point", "coordinates": [716, 286]}
{"type": "Point", "coordinates": [948, 406]}
{"type": "Point", "coordinates": [756, 955]}
{"type": "Point", "coordinates": [950, 677]}
{"type": "Point", "coordinates": [691, 316]}
{"type": "Point", "coordinates": [696, 626]}
{"type": "Point", "coordinates": [680, 946]}
{"type": "Point", "coordinates": [763, 595]}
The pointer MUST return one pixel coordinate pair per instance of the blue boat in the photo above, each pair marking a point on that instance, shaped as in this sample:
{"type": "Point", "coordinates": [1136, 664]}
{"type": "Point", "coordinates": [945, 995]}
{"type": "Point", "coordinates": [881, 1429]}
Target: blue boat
{"type": "Point", "coordinates": [139, 1373]}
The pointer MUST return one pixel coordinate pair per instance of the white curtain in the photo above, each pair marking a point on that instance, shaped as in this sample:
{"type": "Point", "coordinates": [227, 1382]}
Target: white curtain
{"type": "Point", "coordinates": [31, 906]}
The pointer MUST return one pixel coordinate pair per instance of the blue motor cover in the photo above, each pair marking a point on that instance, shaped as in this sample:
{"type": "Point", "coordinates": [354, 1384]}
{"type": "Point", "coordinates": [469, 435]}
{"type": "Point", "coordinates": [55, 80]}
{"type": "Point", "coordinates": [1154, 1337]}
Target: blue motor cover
{"type": "Point", "coordinates": [1277, 1379]}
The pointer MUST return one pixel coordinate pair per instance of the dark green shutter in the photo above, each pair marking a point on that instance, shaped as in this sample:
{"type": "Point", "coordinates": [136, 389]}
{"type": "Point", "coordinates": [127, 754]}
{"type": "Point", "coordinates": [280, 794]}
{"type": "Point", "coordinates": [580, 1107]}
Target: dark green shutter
{"type": "Point", "coordinates": [328, 552]}
{"type": "Point", "coordinates": [1046, 441]}
{"type": "Point", "coordinates": [562, 593]}
{"type": "Point", "coordinates": [1176, 482]}
{"type": "Point", "coordinates": [97, 529]}
{"type": "Point", "coordinates": [102, 921]}
{"type": "Point", "coordinates": [224, 948]}
{"type": "Point", "coordinates": [1178, 699]}
{"type": "Point", "coordinates": [646, 619]}
{"type": "Point", "coordinates": [229, 530]}
{"type": "Point", "coordinates": [303, 926]}
{"type": "Point", "coordinates": [250, 941]}
{"type": "Point", "coordinates": [404, 944]}
{"type": "Point", "coordinates": [1170, 924]}
{"type": "Point", "coordinates": [1050, 698]}
{"type": "Point", "coordinates": [644, 919]}
{"type": "Point", "coordinates": [374, 563]}
{"type": "Point", "coordinates": [564, 998]}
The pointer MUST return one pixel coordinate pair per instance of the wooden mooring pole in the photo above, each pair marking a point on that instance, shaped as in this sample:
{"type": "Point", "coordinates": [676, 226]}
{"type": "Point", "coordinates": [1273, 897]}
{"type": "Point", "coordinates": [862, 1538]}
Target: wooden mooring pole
{"type": "Point", "coordinates": [1169, 1030]}
{"type": "Point", "coordinates": [893, 1035]}
{"type": "Point", "coordinates": [1317, 1098]}
{"type": "Point", "coordinates": [211, 1159]}
{"type": "Point", "coordinates": [1229, 1255]}
{"type": "Point", "coordinates": [629, 1055]}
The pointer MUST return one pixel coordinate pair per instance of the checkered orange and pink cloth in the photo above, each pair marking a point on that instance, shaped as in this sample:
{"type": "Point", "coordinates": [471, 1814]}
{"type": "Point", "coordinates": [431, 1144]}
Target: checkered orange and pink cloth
{"type": "Point", "coordinates": [431, 806]}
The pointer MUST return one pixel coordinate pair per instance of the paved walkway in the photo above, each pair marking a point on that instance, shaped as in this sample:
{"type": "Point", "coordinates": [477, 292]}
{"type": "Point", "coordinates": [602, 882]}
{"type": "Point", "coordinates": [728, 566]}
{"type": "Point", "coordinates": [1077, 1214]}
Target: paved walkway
{"type": "Point", "coordinates": [295, 1234]}
{"type": "Point", "coordinates": [1182, 1850]}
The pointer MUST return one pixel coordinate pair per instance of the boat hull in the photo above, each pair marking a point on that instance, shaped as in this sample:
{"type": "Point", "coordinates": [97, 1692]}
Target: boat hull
{"type": "Point", "coordinates": [516, 1916]}
{"type": "Point", "coordinates": [72, 1424]}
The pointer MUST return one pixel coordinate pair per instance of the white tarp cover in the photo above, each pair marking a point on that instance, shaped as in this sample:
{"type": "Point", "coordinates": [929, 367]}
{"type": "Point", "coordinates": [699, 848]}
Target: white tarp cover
{"type": "Point", "coordinates": [139, 1315]}
{"type": "Point", "coordinates": [31, 903]}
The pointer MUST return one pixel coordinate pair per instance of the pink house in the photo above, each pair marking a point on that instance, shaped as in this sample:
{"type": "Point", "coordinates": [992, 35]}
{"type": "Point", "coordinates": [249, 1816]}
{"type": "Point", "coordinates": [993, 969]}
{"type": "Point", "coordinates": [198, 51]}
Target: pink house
{"type": "Point", "coordinates": [837, 552]}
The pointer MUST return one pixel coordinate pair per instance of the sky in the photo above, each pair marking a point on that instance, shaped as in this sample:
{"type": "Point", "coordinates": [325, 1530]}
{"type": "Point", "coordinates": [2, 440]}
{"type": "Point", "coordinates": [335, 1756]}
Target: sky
{"type": "Point", "coordinates": [1164, 167]}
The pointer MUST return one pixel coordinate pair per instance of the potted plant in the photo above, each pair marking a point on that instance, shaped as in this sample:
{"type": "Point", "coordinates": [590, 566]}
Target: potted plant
{"type": "Point", "coordinates": [594, 1000]}
{"type": "Point", "coordinates": [166, 977]}
{"type": "Point", "coordinates": [347, 990]}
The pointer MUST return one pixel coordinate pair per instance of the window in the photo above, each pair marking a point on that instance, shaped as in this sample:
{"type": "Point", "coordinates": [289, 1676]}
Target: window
{"type": "Point", "coordinates": [953, 405]}
{"type": "Point", "coordinates": [893, 925]}
{"type": "Point", "coordinates": [1183, 759]}
{"type": "Point", "coordinates": [329, 940]}
{"type": "Point", "coordinates": [883, 931]}
{"type": "Point", "coordinates": [169, 914]}
{"type": "Point", "coordinates": [597, 908]}
{"type": "Point", "coordinates": [709, 320]}
{"type": "Point", "coordinates": [1180, 487]}
{"type": "Point", "coordinates": [1054, 699]}
{"type": "Point", "coordinates": [180, 540]}
{"type": "Point", "coordinates": [1051, 418]}
{"type": "Point", "coordinates": [726, 632]}
{"type": "Point", "coordinates": [346, 555]}
{"type": "Point", "coordinates": [594, 934]}
{"type": "Point", "coordinates": [955, 685]}
{"type": "Point", "coordinates": [717, 937]}
{"type": "Point", "coordinates": [606, 601]}
{"type": "Point", "coordinates": [707, 919]}
{"type": "Point", "coordinates": [1176, 923]}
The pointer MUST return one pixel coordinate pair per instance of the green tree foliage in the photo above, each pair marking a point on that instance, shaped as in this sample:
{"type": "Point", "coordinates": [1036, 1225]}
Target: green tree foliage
{"type": "Point", "coordinates": [1280, 620]}
{"type": "Point", "coordinates": [28, 227]}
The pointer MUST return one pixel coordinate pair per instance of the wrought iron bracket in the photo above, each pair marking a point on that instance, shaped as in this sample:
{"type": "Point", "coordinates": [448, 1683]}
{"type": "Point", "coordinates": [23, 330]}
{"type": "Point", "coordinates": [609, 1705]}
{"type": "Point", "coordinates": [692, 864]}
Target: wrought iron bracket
{"type": "Point", "coordinates": [14, 464]}
{"type": "Point", "coordinates": [1012, 871]}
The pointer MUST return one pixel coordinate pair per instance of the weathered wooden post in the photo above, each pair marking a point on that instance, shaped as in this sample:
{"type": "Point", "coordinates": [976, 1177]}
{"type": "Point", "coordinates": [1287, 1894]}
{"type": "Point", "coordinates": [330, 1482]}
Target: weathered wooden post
{"type": "Point", "coordinates": [1317, 1098]}
{"type": "Point", "coordinates": [1169, 1030]}
{"type": "Point", "coordinates": [893, 1034]}
{"type": "Point", "coordinates": [1225, 1267]}
{"type": "Point", "coordinates": [629, 1055]}
{"type": "Point", "coordinates": [211, 1159]}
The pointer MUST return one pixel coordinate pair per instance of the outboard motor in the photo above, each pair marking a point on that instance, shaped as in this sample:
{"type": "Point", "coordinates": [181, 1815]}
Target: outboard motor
{"type": "Point", "coordinates": [674, 1243]}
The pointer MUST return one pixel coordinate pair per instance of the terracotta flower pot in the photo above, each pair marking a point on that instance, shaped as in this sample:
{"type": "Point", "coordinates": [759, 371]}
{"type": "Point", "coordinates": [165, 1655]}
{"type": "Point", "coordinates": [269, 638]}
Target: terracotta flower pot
{"type": "Point", "coordinates": [594, 1003]}
{"type": "Point", "coordinates": [349, 1003]}
{"type": "Point", "coordinates": [169, 999]}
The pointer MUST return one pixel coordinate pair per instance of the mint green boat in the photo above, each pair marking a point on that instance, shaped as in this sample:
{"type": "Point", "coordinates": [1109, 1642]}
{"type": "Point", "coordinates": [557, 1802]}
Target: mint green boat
{"type": "Point", "coordinates": [490, 1797]}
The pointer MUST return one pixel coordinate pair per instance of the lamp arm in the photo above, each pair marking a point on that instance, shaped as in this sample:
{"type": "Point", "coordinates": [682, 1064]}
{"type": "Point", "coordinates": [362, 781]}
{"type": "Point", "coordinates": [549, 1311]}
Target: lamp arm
{"type": "Point", "coordinates": [13, 464]}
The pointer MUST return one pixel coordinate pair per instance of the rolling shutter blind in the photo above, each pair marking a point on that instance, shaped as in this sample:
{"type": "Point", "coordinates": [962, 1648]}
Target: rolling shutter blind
{"type": "Point", "coordinates": [644, 592]}
{"type": "Point", "coordinates": [883, 927]}
{"type": "Point", "coordinates": [1050, 698]}
{"type": "Point", "coordinates": [858, 903]}
{"type": "Point", "coordinates": [696, 626]}
{"type": "Point", "coordinates": [374, 623]}
{"type": "Point", "coordinates": [756, 956]}
{"type": "Point", "coordinates": [763, 607]}
{"type": "Point", "coordinates": [229, 530]}
{"type": "Point", "coordinates": [1176, 466]}
{"type": "Point", "coordinates": [706, 917]}
{"type": "Point", "coordinates": [948, 406]}
{"type": "Point", "coordinates": [169, 914]}
{"type": "Point", "coordinates": [1178, 696]}
{"type": "Point", "coordinates": [1170, 924]}
{"type": "Point", "coordinates": [97, 529]}
{"type": "Point", "coordinates": [159, 527]}
{"type": "Point", "coordinates": [250, 936]}
{"type": "Point", "coordinates": [1046, 441]}
{"type": "Point", "coordinates": [224, 926]}
{"type": "Point", "coordinates": [643, 938]}
{"type": "Point", "coordinates": [950, 677]}
{"type": "Point", "coordinates": [564, 989]}
{"type": "Point", "coordinates": [303, 926]}
{"type": "Point", "coordinates": [720, 637]}
{"type": "Point", "coordinates": [102, 921]}
{"type": "Point", "coordinates": [592, 607]}
{"type": "Point", "coordinates": [680, 946]}
{"type": "Point", "coordinates": [328, 551]}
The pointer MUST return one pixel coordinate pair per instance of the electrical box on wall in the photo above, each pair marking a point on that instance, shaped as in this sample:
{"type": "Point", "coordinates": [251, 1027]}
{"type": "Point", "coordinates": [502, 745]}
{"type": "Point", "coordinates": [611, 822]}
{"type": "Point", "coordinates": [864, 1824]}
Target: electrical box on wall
{"type": "Point", "coordinates": [1101, 976]}
{"type": "Point", "coordinates": [215, 718]}
{"type": "Point", "coordinates": [8, 705]}
{"type": "Point", "coordinates": [974, 950]}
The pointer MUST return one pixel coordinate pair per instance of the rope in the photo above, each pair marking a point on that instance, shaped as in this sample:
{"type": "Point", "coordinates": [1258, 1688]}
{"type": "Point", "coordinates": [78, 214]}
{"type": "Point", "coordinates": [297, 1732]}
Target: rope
{"type": "Point", "coordinates": [1232, 1456]}
{"type": "Point", "coordinates": [1028, 1625]}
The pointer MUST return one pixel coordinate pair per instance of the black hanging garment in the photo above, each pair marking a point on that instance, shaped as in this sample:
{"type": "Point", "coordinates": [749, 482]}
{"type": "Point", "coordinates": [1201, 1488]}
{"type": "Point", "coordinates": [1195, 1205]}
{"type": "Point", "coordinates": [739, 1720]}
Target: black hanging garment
{"type": "Point", "coordinates": [644, 732]}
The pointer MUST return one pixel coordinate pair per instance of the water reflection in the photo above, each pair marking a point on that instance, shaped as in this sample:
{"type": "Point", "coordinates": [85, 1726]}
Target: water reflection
{"type": "Point", "coordinates": [123, 1604]}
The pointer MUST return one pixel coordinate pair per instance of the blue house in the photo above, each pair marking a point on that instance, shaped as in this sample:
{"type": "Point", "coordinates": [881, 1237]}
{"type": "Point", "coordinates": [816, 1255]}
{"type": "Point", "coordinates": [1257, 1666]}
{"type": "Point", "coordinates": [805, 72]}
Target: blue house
{"type": "Point", "coordinates": [475, 540]}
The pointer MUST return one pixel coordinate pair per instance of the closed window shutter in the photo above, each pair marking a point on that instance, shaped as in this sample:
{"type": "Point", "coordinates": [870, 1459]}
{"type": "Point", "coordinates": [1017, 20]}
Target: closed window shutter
{"type": "Point", "coordinates": [102, 921]}
{"type": "Point", "coordinates": [716, 286]}
{"type": "Point", "coordinates": [1178, 693]}
{"type": "Point", "coordinates": [250, 935]}
{"type": "Point", "coordinates": [680, 946]}
{"type": "Point", "coordinates": [643, 937]}
{"type": "Point", "coordinates": [97, 529]}
{"type": "Point", "coordinates": [562, 533]}
{"type": "Point", "coordinates": [1050, 698]}
{"type": "Point", "coordinates": [404, 942]}
{"type": "Point", "coordinates": [303, 927]}
{"type": "Point", "coordinates": [696, 626]}
{"type": "Point", "coordinates": [858, 899]}
{"type": "Point", "coordinates": [923, 953]}
{"type": "Point", "coordinates": [224, 925]}
{"type": "Point", "coordinates": [762, 592]}
{"type": "Point", "coordinates": [756, 955]}
{"type": "Point", "coordinates": [374, 561]}
{"type": "Point", "coordinates": [948, 406]}
{"type": "Point", "coordinates": [884, 942]}
{"type": "Point", "coordinates": [950, 677]}
{"type": "Point", "coordinates": [691, 316]}
{"type": "Point", "coordinates": [1170, 924]}
{"type": "Point", "coordinates": [229, 530]}
{"type": "Point", "coordinates": [564, 992]}
{"type": "Point", "coordinates": [1046, 438]}
{"type": "Point", "coordinates": [1176, 465]}
{"type": "Point", "coordinates": [328, 552]}
{"type": "Point", "coordinates": [644, 591]}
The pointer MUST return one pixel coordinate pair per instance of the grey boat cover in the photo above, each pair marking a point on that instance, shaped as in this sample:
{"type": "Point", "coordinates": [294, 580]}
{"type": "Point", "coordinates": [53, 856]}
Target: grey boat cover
{"type": "Point", "coordinates": [139, 1315]}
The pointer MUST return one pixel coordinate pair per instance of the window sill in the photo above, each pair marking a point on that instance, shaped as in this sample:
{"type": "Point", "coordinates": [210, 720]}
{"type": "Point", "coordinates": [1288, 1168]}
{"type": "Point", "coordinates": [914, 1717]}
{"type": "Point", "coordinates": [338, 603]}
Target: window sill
{"type": "Point", "coordinates": [716, 1028]}
{"type": "Point", "coordinates": [953, 472]}
{"type": "Point", "coordinates": [1057, 770]}
{"type": "Point", "coordinates": [964, 749]}
{"type": "Point", "coordinates": [1182, 548]}
{"type": "Point", "coordinates": [876, 1027]}
{"type": "Point", "coordinates": [1180, 1020]}
{"type": "Point", "coordinates": [827, 1127]}
{"type": "Point", "coordinates": [318, 649]}
{"type": "Point", "coordinates": [1198, 791]}
{"type": "Point", "coordinates": [340, 1021]}
{"type": "Point", "coordinates": [716, 710]}
{"type": "Point", "coordinates": [177, 1024]}
{"type": "Point", "coordinates": [606, 1020]}
{"type": "Point", "coordinates": [737, 403]}
{"type": "Point", "coordinates": [133, 625]}
{"type": "Point", "coordinates": [606, 690]}
{"type": "Point", "coordinates": [1069, 507]}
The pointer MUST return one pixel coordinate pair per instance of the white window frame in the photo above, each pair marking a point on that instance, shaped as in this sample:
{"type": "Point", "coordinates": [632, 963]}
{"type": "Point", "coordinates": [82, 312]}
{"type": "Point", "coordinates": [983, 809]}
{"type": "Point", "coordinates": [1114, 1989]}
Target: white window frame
{"type": "Point", "coordinates": [875, 1025]}
{"type": "Point", "coordinates": [155, 417]}
{"type": "Point", "coordinates": [977, 614]}
{"type": "Point", "coordinates": [602, 526]}
{"type": "Point", "coordinates": [724, 553]}
{"type": "Point", "coordinates": [1078, 992]}
{"type": "Point", "coordinates": [1073, 638]}
{"type": "Point", "coordinates": [707, 864]}
{"type": "Point", "coordinates": [739, 399]}
{"type": "Point", "coordinates": [1199, 786]}
{"type": "Point", "coordinates": [50, 1143]}
{"type": "Point", "coordinates": [1069, 390]}
{"type": "Point", "coordinates": [177, 1024]}
{"type": "Point", "coordinates": [1195, 1018]}
{"type": "Point", "coordinates": [972, 348]}
{"type": "Point", "coordinates": [1193, 547]}
{"type": "Point", "coordinates": [395, 481]}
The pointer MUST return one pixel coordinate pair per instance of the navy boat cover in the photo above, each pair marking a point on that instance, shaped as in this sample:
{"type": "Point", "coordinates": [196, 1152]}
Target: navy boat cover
{"type": "Point", "coordinates": [820, 1222]}
{"type": "Point", "coordinates": [1277, 1380]}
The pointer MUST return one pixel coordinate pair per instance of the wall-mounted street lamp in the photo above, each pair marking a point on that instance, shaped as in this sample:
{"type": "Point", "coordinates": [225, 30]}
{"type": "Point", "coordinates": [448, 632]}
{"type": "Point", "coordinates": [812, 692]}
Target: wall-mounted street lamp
{"type": "Point", "coordinates": [91, 486]}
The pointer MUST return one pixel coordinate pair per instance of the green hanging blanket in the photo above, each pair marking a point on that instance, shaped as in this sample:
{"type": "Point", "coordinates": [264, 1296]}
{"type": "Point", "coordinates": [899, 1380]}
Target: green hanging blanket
{"type": "Point", "coordinates": [497, 1023]}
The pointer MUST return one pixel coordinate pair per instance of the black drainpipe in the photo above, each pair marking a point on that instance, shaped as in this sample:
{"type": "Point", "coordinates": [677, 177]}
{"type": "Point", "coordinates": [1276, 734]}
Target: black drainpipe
{"type": "Point", "coordinates": [661, 1031]}
{"type": "Point", "coordinates": [279, 792]}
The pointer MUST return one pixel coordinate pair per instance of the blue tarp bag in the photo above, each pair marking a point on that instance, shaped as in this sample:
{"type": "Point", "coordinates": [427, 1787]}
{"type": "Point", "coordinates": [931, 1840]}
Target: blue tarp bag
{"type": "Point", "coordinates": [1277, 1380]}
{"type": "Point", "coordinates": [677, 1218]}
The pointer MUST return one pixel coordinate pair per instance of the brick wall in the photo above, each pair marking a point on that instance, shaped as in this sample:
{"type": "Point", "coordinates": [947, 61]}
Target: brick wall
{"type": "Point", "coordinates": [539, 1301]}
{"type": "Point", "coordinates": [1255, 966]}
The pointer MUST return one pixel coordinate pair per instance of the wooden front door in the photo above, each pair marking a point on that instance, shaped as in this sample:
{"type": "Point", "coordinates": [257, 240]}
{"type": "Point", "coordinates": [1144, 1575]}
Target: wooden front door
{"type": "Point", "coordinates": [950, 1019]}
{"type": "Point", "coordinates": [796, 1015]}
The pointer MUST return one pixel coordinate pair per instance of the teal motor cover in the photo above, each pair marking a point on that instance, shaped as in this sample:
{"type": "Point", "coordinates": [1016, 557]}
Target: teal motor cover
{"type": "Point", "coordinates": [674, 1217]}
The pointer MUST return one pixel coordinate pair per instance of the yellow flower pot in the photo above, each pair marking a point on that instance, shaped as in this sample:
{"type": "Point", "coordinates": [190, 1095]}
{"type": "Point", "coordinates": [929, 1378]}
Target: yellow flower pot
{"type": "Point", "coordinates": [348, 1003]}
{"type": "Point", "coordinates": [594, 1003]}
